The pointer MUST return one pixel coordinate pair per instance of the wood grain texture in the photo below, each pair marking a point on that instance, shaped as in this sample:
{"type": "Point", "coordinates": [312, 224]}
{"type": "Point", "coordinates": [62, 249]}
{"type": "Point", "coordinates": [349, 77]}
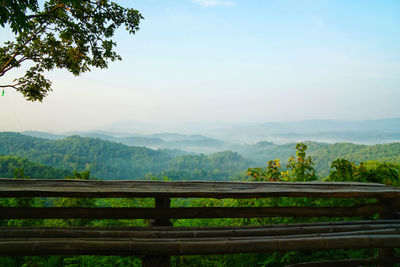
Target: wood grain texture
{"type": "Point", "coordinates": [124, 188]}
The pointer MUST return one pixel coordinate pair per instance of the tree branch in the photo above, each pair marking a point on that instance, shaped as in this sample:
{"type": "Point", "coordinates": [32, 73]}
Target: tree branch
{"type": "Point", "coordinates": [19, 50]}
{"type": "Point", "coordinates": [49, 12]}
{"type": "Point", "coordinates": [9, 85]}
{"type": "Point", "coordinates": [10, 67]}
{"type": "Point", "coordinates": [4, 67]}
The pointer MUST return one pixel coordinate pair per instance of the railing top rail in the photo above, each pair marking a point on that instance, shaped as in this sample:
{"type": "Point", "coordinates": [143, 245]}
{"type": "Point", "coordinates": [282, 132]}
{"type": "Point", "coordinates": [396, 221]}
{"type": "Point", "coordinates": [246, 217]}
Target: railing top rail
{"type": "Point", "coordinates": [193, 189]}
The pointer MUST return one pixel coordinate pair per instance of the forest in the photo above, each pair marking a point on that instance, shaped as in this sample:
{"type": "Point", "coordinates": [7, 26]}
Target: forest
{"type": "Point", "coordinates": [84, 158]}
{"type": "Point", "coordinates": [111, 160]}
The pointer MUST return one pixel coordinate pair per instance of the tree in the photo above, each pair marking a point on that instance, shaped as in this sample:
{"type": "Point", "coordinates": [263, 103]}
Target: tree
{"type": "Point", "coordinates": [343, 170]}
{"type": "Point", "coordinates": [270, 173]}
{"type": "Point", "coordinates": [66, 34]}
{"type": "Point", "coordinates": [300, 169]}
{"type": "Point", "coordinates": [379, 172]}
{"type": "Point", "coordinates": [369, 172]}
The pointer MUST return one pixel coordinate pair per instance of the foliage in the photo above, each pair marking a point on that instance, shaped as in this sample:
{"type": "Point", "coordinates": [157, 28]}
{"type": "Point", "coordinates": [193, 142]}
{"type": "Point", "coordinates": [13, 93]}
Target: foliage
{"type": "Point", "coordinates": [217, 166]}
{"type": "Point", "coordinates": [342, 170]}
{"type": "Point", "coordinates": [104, 159]}
{"type": "Point", "coordinates": [370, 172]}
{"type": "Point", "coordinates": [300, 169]}
{"type": "Point", "coordinates": [11, 166]}
{"type": "Point", "coordinates": [64, 34]}
{"type": "Point", "coordinates": [270, 173]}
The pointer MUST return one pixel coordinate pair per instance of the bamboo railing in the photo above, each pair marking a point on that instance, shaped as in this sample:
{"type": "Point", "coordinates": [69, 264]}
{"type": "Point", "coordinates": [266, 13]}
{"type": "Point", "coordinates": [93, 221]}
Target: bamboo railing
{"type": "Point", "coordinates": [161, 239]}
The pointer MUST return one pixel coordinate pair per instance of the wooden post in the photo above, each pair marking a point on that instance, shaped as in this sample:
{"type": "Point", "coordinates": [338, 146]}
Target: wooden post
{"type": "Point", "coordinates": [161, 261]}
{"type": "Point", "coordinates": [162, 202]}
{"type": "Point", "coordinates": [391, 205]}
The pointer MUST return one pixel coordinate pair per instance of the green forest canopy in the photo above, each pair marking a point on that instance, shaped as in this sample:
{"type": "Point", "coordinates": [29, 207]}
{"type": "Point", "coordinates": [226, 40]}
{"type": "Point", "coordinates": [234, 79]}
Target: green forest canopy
{"type": "Point", "coordinates": [110, 160]}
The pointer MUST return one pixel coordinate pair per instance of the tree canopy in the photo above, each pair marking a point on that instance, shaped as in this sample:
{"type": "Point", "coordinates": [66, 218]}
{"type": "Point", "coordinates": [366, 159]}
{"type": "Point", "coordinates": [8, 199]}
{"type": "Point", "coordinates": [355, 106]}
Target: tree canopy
{"type": "Point", "coordinates": [65, 34]}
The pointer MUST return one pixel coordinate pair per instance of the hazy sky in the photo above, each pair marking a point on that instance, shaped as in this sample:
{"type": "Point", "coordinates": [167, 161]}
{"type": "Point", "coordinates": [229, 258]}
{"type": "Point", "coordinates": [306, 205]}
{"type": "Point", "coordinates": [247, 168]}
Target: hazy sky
{"type": "Point", "coordinates": [232, 61]}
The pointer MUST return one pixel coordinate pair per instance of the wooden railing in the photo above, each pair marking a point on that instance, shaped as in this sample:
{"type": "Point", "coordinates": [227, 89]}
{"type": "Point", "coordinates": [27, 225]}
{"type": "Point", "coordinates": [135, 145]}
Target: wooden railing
{"type": "Point", "coordinates": [161, 240]}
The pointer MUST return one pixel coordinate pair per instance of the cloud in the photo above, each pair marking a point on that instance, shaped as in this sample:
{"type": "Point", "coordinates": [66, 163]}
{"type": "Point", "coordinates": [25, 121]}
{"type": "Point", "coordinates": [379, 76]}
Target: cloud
{"type": "Point", "coordinates": [214, 3]}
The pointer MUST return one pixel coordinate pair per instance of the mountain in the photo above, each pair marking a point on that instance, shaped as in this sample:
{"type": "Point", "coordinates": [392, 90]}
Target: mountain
{"type": "Point", "coordinates": [213, 137]}
{"type": "Point", "coordinates": [105, 159]}
{"type": "Point", "coordinates": [307, 126]}
{"type": "Point", "coordinates": [368, 131]}
{"type": "Point", "coordinates": [188, 143]}
{"type": "Point", "coordinates": [363, 131]}
{"type": "Point", "coordinates": [44, 135]}
{"type": "Point", "coordinates": [111, 160]}
{"type": "Point", "coordinates": [368, 137]}
{"type": "Point", "coordinates": [174, 137]}
{"type": "Point", "coordinates": [115, 160]}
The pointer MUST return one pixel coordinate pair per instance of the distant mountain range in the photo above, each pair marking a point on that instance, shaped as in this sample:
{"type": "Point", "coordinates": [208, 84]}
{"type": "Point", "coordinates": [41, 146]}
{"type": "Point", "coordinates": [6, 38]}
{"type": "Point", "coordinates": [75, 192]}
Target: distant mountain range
{"type": "Point", "coordinates": [212, 137]}
{"type": "Point", "coordinates": [367, 132]}
{"type": "Point", "coordinates": [189, 143]}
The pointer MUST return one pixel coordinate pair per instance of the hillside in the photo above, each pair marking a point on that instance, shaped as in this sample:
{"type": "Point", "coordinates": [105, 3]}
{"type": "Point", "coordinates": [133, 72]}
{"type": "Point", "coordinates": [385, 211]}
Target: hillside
{"type": "Point", "coordinates": [11, 166]}
{"type": "Point", "coordinates": [218, 166]}
{"type": "Point", "coordinates": [105, 159]}
{"type": "Point", "coordinates": [110, 160]}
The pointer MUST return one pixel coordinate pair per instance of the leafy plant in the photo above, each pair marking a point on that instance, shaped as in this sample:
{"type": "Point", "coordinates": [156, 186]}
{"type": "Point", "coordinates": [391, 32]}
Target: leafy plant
{"type": "Point", "coordinates": [64, 34]}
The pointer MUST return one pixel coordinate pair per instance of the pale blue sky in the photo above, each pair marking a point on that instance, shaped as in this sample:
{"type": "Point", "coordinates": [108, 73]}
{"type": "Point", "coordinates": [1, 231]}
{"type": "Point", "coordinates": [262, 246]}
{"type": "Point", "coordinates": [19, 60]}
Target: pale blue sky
{"type": "Point", "coordinates": [232, 61]}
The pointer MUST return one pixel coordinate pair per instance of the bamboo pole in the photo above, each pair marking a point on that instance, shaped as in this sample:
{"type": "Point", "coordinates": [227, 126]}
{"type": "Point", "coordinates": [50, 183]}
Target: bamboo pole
{"type": "Point", "coordinates": [162, 213]}
{"type": "Point", "coordinates": [390, 231]}
{"type": "Point", "coordinates": [348, 262]}
{"type": "Point", "coordinates": [17, 232]}
{"type": "Point", "coordinates": [167, 247]}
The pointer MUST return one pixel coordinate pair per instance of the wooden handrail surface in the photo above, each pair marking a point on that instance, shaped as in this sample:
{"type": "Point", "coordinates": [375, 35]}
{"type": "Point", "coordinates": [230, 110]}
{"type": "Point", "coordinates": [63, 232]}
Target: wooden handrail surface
{"type": "Point", "coordinates": [192, 189]}
{"type": "Point", "coordinates": [161, 240]}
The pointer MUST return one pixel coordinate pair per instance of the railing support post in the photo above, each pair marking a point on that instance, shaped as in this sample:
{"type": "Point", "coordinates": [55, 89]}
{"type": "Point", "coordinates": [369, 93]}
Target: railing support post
{"type": "Point", "coordinates": [161, 261]}
{"type": "Point", "coordinates": [391, 205]}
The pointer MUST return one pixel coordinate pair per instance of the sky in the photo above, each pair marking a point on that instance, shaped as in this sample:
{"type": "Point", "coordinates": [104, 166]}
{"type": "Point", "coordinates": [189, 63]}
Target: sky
{"type": "Point", "coordinates": [230, 61]}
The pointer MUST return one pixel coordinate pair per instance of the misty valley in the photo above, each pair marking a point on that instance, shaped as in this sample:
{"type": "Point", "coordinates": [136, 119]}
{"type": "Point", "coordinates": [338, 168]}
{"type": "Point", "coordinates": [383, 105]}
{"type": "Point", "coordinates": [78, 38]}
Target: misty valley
{"type": "Point", "coordinates": [112, 155]}
{"type": "Point", "coordinates": [118, 156]}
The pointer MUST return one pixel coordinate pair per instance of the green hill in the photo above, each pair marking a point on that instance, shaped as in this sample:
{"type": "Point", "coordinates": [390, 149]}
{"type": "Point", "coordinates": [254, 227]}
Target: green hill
{"type": "Point", "coordinates": [104, 159]}
{"type": "Point", "coordinates": [110, 160]}
{"type": "Point", "coordinates": [11, 165]}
